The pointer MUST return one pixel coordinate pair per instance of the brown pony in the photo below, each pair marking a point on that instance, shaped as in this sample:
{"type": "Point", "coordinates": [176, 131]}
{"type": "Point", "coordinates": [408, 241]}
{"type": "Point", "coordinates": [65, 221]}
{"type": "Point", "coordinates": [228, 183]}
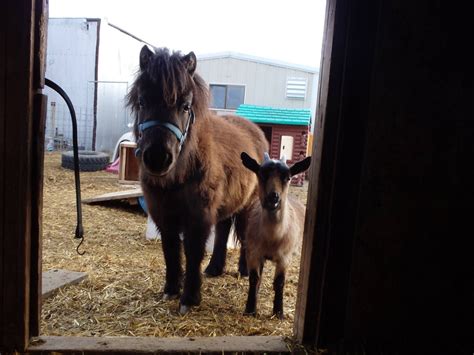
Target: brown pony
{"type": "Point", "coordinates": [190, 168]}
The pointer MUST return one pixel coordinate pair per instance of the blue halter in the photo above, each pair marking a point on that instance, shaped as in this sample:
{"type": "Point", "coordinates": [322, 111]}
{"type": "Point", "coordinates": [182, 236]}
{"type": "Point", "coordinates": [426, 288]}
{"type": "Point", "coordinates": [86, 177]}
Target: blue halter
{"type": "Point", "coordinates": [181, 136]}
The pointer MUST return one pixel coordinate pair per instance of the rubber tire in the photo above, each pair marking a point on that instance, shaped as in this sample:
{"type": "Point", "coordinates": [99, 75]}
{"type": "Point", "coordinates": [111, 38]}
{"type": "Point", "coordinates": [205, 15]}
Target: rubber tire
{"type": "Point", "coordinates": [88, 160]}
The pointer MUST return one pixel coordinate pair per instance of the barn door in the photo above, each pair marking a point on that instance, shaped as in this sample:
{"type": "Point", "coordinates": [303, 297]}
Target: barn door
{"type": "Point", "coordinates": [286, 147]}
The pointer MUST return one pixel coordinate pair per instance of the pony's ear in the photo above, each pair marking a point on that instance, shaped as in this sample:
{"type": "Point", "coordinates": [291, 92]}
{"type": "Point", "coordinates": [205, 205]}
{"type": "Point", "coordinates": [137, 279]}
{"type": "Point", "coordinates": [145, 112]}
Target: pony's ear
{"type": "Point", "coordinates": [249, 162]}
{"type": "Point", "coordinates": [145, 55]}
{"type": "Point", "coordinates": [190, 62]}
{"type": "Point", "coordinates": [300, 166]}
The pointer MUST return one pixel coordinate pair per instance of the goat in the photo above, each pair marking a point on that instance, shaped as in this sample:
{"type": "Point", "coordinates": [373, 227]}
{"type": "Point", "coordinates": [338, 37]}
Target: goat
{"type": "Point", "coordinates": [275, 226]}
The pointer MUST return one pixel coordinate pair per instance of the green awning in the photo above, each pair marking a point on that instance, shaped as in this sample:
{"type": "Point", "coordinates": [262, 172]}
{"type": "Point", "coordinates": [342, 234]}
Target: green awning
{"type": "Point", "coordinates": [271, 115]}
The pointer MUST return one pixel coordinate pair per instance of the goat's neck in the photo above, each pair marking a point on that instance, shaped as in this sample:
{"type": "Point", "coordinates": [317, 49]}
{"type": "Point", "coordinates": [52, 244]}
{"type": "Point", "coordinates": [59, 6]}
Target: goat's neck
{"type": "Point", "coordinates": [276, 221]}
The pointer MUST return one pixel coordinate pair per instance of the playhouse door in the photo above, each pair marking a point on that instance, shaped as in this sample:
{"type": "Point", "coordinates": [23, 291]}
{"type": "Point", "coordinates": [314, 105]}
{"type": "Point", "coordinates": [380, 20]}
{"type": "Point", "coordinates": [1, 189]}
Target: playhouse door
{"type": "Point", "coordinates": [286, 147]}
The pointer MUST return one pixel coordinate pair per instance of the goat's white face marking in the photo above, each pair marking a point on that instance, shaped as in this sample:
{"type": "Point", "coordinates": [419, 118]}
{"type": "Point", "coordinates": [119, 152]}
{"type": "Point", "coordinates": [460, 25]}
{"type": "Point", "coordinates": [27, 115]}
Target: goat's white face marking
{"type": "Point", "coordinates": [274, 178]}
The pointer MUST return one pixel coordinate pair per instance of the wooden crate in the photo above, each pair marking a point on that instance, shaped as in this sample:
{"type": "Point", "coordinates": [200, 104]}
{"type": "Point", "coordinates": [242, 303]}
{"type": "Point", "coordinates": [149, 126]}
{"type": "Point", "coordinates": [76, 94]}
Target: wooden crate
{"type": "Point", "coordinates": [128, 167]}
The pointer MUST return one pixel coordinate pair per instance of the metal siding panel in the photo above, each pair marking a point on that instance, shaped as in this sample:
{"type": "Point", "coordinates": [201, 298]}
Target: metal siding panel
{"type": "Point", "coordinates": [71, 64]}
{"type": "Point", "coordinates": [117, 68]}
{"type": "Point", "coordinates": [265, 84]}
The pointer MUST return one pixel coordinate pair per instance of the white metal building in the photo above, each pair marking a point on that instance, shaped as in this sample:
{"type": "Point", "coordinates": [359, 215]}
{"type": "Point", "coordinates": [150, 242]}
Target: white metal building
{"type": "Point", "coordinates": [236, 78]}
{"type": "Point", "coordinates": [95, 63]}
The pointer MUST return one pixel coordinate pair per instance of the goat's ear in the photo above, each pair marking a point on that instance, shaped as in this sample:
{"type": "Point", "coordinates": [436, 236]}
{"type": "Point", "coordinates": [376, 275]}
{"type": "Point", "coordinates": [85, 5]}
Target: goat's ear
{"type": "Point", "coordinates": [249, 162]}
{"type": "Point", "coordinates": [145, 55]}
{"type": "Point", "coordinates": [300, 166]}
{"type": "Point", "coordinates": [190, 62]}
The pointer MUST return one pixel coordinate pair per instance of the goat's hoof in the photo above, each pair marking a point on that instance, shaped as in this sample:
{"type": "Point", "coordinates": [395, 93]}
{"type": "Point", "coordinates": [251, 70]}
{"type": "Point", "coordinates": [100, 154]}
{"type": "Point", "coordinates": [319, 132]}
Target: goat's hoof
{"type": "Point", "coordinates": [169, 296]}
{"type": "Point", "coordinates": [213, 271]}
{"type": "Point", "coordinates": [183, 309]}
{"type": "Point", "coordinates": [279, 315]}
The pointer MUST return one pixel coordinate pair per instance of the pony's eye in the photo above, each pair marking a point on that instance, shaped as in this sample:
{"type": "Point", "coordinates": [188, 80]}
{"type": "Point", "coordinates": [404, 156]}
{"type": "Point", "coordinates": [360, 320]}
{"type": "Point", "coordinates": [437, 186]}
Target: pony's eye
{"type": "Point", "coordinates": [186, 107]}
{"type": "Point", "coordinates": [141, 102]}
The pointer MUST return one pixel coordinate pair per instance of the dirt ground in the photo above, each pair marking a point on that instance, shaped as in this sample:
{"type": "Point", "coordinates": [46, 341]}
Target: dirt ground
{"type": "Point", "coordinates": [122, 294]}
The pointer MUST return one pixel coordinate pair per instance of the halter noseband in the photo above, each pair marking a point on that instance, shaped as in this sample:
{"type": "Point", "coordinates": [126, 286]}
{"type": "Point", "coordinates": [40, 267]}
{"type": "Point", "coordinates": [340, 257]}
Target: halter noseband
{"type": "Point", "coordinates": [181, 136]}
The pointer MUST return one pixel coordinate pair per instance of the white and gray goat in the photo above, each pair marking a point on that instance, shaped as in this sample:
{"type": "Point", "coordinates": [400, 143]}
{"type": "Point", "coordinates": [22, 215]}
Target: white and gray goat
{"type": "Point", "coordinates": [275, 226]}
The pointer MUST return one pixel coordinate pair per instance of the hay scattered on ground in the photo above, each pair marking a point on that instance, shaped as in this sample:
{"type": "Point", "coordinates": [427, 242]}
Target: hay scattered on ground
{"type": "Point", "coordinates": [122, 295]}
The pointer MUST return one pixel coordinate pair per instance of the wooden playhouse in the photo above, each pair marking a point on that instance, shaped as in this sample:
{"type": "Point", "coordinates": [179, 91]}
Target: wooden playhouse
{"type": "Point", "coordinates": [286, 129]}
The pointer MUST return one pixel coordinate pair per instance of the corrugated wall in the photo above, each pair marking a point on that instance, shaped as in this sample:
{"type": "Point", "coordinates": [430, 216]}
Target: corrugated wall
{"type": "Point", "coordinates": [118, 64]}
{"type": "Point", "coordinates": [265, 84]}
{"type": "Point", "coordinates": [70, 62]}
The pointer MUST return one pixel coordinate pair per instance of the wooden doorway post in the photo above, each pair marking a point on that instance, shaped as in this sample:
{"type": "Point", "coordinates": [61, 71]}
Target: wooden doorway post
{"type": "Point", "coordinates": [22, 113]}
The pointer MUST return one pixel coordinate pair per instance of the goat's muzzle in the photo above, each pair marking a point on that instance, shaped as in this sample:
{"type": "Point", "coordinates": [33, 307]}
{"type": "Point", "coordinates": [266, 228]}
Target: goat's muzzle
{"type": "Point", "coordinates": [272, 201]}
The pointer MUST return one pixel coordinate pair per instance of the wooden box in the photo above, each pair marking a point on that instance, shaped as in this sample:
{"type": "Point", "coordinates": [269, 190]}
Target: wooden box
{"type": "Point", "coordinates": [128, 166]}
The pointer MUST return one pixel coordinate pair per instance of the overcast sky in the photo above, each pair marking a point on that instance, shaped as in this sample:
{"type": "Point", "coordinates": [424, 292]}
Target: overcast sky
{"type": "Point", "coordinates": [289, 31]}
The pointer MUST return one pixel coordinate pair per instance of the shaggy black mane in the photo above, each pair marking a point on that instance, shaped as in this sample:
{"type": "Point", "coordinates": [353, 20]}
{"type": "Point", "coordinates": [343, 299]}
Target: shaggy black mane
{"type": "Point", "coordinates": [167, 77]}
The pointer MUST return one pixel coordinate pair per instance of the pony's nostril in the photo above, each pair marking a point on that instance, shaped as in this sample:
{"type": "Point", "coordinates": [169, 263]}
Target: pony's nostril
{"type": "Point", "coordinates": [147, 157]}
{"type": "Point", "coordinates": [166, 159]}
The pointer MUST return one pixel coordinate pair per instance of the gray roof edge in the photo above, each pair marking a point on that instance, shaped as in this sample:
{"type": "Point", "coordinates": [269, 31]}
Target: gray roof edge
{"type": "Point", "coordinates": [106, 21]}
{"type": "Point", "coordinates": [242, 56]}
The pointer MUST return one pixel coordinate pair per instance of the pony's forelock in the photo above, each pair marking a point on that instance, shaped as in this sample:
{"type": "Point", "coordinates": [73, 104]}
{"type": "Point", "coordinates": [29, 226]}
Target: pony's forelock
{"type": "Point", "coordinates": [168, 77]}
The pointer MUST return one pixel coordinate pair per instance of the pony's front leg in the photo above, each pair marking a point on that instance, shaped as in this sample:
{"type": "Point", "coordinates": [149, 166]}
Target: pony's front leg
{"type": "Point", "coordinates": [219, 252]}
{"type": "Point", "coordinates": [240, 228]}
{"type": "Point", "coordinates": [194, 243]}
{"type": "Point", "coordinates": [171, 251]}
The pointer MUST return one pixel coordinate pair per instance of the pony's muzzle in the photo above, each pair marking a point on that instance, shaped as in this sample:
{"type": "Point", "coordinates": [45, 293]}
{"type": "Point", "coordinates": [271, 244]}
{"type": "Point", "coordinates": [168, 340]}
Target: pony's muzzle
{"type": "Point", "coordinates": [156, 159]}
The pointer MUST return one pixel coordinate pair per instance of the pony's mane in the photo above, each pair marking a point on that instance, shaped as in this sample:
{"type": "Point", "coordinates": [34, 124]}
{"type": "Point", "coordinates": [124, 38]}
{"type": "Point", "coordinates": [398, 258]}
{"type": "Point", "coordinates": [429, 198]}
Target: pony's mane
{"type": "Point", "coordinates": [168, 77]}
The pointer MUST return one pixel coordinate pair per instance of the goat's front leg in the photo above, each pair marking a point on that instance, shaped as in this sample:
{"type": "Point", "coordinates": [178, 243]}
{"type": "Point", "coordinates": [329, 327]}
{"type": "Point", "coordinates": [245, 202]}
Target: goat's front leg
{"type": "Point", "coordinates": [171, 249]}
{"type": "Point", "coordinates": [278, 285]}
{"type": "Point", "coordinates": [219, 252]}
{"type": "Point", "coordinates": [255, 277]}
{"type": "Point", "coordinates": [194, 243]}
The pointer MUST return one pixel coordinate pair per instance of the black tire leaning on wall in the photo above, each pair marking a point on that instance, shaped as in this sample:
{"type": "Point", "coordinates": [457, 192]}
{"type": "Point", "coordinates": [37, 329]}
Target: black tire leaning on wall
{"type": "Point", "coordinates": [88, 160]}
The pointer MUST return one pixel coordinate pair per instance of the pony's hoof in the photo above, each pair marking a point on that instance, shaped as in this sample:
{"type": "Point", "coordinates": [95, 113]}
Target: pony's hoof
{"type": "Point", "coordinates": [213, 271]}
{"type": "Point", "coordinates": [168, 296]}
{"type": "Point", "coordinates": [183, 309]}
{"type": "Point", "coordinates": [243, 271]}
{"type": "Point", "coordinates": [250, 313]}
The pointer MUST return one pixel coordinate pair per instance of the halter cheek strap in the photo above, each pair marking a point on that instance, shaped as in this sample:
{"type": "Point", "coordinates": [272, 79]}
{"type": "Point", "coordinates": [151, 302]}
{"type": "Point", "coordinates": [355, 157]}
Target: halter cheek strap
{"type": "Point", "coordinates": [181, 136]}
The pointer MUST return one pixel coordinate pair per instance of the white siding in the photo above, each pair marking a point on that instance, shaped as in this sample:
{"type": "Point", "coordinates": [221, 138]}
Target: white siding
{"type": "Point", "coordinates": [70, 62]}
{"type": "Point", "coordinates": [118, 64]}
{"type": "Point", "coordinates": [265, 84]}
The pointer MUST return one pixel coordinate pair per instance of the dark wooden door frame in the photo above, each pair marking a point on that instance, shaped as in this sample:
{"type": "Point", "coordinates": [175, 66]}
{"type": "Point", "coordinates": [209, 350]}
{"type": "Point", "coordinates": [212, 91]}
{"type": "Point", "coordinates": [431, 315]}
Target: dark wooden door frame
{"type": "Point", "coordinates": [338, 151]}
{"type": "Point", "coordinates": [22, 113]}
